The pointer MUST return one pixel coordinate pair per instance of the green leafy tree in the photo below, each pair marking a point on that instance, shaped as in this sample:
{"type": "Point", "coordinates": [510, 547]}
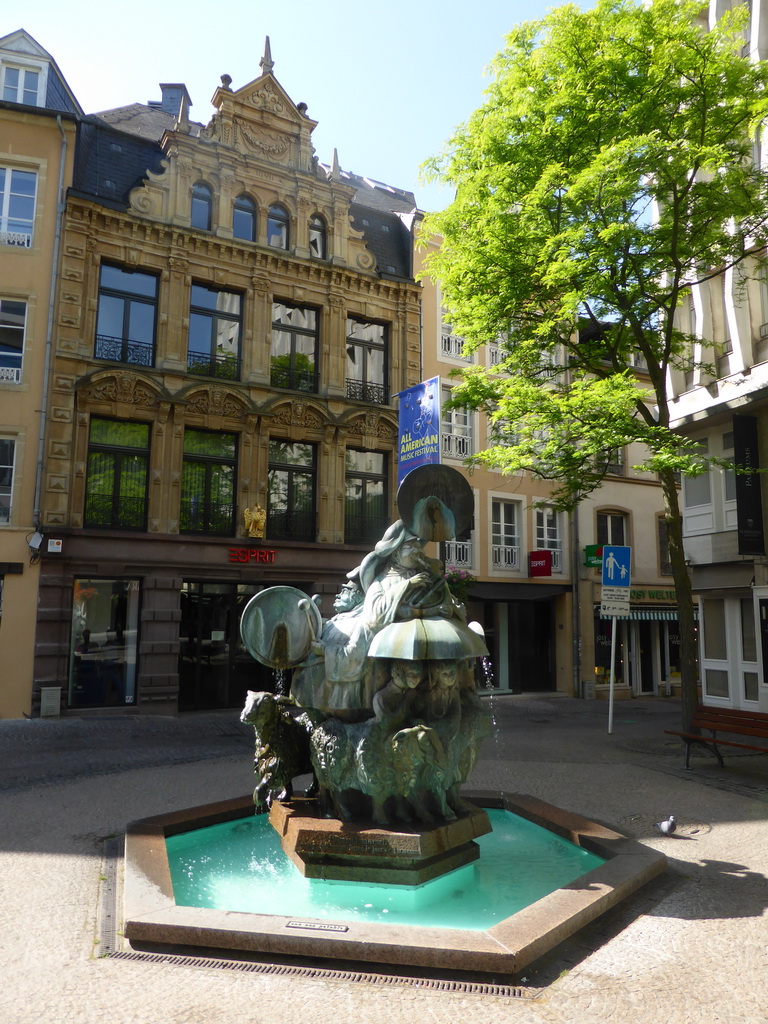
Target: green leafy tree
{"type": "Point", "coordinates": [609, 169]}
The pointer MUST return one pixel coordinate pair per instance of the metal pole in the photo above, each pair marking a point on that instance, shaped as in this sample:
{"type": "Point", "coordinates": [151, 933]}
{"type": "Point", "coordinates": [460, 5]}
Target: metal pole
{"type": "Point", "coordinates": [611, 682]}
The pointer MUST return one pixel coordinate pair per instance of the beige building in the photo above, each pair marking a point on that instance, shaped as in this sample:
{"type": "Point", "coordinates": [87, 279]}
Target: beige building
{"type": "Point", "coordinates": [37, 149]}
{"type": "Point", "coordinates": [545, 631]}
{"type": "Point", "coordinates": [233, 323]}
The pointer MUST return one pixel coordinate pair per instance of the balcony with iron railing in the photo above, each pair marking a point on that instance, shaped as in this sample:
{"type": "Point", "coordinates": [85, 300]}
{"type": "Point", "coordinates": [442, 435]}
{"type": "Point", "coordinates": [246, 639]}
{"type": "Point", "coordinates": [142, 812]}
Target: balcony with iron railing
{"type": "Point", "coordinates": [557, 557]}
{"type": "Point", "coordinates": [110, 511]}
{"type": "Point", "coordinates": [365, 391]}
{"type": "Point", "coordinates": [505, 556]}
{"type": "Point", "coordinates": [360, 529]}
{"type": "Point", "coordinates": [124, 350]}
{"type": "Point", "coordinates": [457, 446]}
{"type": "Point", "coordinates": [453, 347]}
{"type": "Point", "coordinates": [5, 509]}
{"type": "Point", "coordinates": [290, 524]}
{"type": "Point", "coordinates": [209, 517]}
{"type": "Point", "coordinates": [205, 365]}
{"type": "Point", "coordinates": [295, 380]}
{"type": "Point", "coordinates": [10, 374]}
{"type": "Point", "coordinates": [22, 239]}
{"type": "Point", "coordinates": [458, 553]}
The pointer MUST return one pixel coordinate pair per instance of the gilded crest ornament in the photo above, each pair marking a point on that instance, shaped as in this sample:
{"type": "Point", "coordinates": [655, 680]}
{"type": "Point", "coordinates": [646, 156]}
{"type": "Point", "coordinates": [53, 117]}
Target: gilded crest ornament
{"type": "Point", "coordinates": [255, 521]}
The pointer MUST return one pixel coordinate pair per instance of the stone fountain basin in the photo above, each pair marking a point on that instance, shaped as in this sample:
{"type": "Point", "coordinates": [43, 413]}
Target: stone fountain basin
{"type": "Point", "coordinates": [152, 919]}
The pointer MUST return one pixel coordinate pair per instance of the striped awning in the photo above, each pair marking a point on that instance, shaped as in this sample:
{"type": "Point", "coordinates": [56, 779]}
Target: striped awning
{"type": "Point", "coordinates": [649, 613]}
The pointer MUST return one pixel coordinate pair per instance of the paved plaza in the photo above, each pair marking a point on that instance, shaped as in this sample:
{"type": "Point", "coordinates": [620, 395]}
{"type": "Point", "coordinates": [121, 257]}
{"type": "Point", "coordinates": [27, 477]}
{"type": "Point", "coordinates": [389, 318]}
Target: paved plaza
{"type": "Point", "coordinates": [690, 947]}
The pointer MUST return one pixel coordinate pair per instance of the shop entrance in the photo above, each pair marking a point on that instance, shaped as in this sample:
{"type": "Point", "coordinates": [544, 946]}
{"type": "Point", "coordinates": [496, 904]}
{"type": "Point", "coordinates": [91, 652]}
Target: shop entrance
{"type": "Point", "coordinates": [215, 669]}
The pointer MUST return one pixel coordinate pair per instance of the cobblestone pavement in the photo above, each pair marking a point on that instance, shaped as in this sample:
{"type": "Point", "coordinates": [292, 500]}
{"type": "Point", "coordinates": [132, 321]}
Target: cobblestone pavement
{"type": "Point", "coordinates": [691, 947]}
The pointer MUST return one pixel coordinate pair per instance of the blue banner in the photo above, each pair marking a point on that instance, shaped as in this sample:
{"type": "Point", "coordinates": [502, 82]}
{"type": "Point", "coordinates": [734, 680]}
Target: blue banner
{"type": "Point", "coordinates": [419, 442]}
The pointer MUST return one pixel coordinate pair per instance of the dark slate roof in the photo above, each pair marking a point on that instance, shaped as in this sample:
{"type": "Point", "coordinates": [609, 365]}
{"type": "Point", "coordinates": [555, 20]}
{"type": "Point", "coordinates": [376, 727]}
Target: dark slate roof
{"type": "Point", "coordinates": [387, 237]}
{"type": "Point", "coordinates": [109, 163]}
{"type": "Point", "coordinates": [141, 119]}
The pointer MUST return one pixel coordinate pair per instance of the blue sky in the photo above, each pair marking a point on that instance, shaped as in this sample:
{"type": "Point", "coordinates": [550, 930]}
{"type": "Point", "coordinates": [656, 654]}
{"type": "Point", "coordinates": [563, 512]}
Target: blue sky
{"type": "Point", "coordinates": [387, 82]}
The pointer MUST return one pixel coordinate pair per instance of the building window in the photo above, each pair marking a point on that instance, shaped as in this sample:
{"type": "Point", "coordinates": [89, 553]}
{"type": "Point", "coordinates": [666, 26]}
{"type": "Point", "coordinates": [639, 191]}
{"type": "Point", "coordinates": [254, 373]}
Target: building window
{"type": "Point", "coordinates": [202, 206]}
{"type": "Point", "coordinates": [729, 475]}
{"type": "Point", "coordinates": [125, 323]}
{"type": "Point", "coordinates": [294, 347]}
{"type": "Point", "coordinates": [208, 483]}
{"type": "Point", "coordinates": [318, 238]}
{"type": "Point", "coordinates": [612, 528]}
{"type": "Point", "coordinates": [214, 333]}
{"type": "Point", "coordinates": [505, 534]}
{"type": "Point", "coordinates": [456, 430]}
{"type": "Point", "coordinates": [367, 362]}
{"type": "Point", "coordinates": [7, 451]}
{"type": "Point", "coordinates": [21, 85]}
{"type": "Point", "coordinates": [451, 345]}
{"type": "Point", "coordinates": [697, 490]}
{"type": "Point", "coordinates": [277, 227]}
{"type": "Point", "coordinates": [104, 643]}
{"type": "Point", "coordinates": [365, 496]}
{"type": "Point", "coordinates": [116, 487]}
{"type": "Point", "coordinates": [612, 464]}
{"type": "Point", "coordinates": [291, 497]}
{"type": "Point", "coordinates": [13, 316]}
{"type": "Point", "coordinates": [665, 565]}
{"type": "Point", "coordinates": [548, 536]}
{"type": "Point", "coordinates": [244, 219]}
{"type": "Point", "coordinates": [18, 190]}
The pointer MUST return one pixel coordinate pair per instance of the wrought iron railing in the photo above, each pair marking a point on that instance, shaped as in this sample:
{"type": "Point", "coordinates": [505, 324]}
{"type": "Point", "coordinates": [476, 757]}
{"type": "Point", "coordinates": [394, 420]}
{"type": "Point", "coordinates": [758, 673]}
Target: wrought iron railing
{"type": "Point", "coordinates": [296, 380]}
{"type": "Point", "coordinates": [457, 446]}
{"type": "Point", "coordinates": [123, 350]}
{"type": "Point", "coordinates": [110, 510]}
{"type": "Point", "coordinates": [458, 553]}
{"type": "Point", "coordinates": [5, 511]}
{"type": "Point", "coordinates": [200, 516]}
{"type": "Point", "coordinates": [22, 238]}
{"type": "Point", "coordinates": [453, 346]}
{"type": "Point", "coordinates": [364, 391]}
{"type": "Point", "coordinates": [223, 367]}
{"type": "Point", "coordinates": [10, 373]}
{"type": "Point", "coordinates": [290, 524]}
{"type": "Point", "coordinates": [505, 556]}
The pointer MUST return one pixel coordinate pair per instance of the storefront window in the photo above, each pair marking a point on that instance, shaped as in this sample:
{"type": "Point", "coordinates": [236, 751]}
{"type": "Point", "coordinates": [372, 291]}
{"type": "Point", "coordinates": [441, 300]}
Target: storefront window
{"type": "Point", "coordinates": [102, 664]}
{"type": "Point", "coordinates": [603, 635]}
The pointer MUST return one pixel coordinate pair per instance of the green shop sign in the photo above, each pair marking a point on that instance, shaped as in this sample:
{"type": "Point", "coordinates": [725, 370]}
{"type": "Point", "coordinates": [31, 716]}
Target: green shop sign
{"type": "Point", "coordinates": [593, 556]}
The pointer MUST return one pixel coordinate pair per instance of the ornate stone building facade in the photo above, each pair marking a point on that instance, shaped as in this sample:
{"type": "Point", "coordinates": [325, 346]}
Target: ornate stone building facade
{"type": "Point", "coordinates": [233, 322]}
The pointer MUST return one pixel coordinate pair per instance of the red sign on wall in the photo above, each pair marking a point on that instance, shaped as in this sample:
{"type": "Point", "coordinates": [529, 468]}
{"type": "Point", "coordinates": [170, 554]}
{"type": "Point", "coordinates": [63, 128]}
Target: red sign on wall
{"type": "Point", "coordinates": [251, 555]}
{"type": "Point", "coordinates": [539, 563]}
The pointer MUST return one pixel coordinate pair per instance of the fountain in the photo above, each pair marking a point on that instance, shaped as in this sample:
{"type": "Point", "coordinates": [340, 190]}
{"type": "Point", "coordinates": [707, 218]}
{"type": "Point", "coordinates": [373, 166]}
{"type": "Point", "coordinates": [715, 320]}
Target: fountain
{"type": "Point", "coordinates": [383, 715]}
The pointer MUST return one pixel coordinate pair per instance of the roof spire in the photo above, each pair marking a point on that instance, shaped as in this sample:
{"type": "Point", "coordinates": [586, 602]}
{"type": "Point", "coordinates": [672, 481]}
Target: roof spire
{"type": "Point", "coordinates": [335, 169]}
{"type": "Point", "coordinates": [266, 63]}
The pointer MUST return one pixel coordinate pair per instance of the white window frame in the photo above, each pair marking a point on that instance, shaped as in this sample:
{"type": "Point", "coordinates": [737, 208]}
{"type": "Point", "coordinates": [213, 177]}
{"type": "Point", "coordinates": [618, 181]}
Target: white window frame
{"type": "Point", "coordinates": [457, 429]}
{"type": "Point", "coordinates": [548, 534]}
{"type": "Point", "coordinates": [24, 65]}
{"type": "Point", "coordinates": [506, 539]}
{"type": "Point", "coordinates": [12, 374]}
{"type": "Point", "coordinates": [16, 238]}
{"type": "Point", "coordinates": [6, 491]}
{"type": "Point", "coordinates": [452, 345]}
{"type": "Point", "coordinates": [698, 516]}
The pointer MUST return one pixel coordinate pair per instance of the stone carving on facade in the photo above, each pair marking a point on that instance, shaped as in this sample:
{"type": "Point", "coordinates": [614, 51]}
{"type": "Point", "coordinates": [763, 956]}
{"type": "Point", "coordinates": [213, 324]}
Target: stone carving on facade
{"type": "Point", "coordinates": [267, 98]}
{"type": "Point", "coordinates": [217, 401]}
{"type": "Point", "coordinates": [119, 387]}
{"type": "Point", "coordinates": [239, 134]}
{"type": "Point", "coordinates": [372, 425]}
{"type": "Point", "coordinates": [298, 414]}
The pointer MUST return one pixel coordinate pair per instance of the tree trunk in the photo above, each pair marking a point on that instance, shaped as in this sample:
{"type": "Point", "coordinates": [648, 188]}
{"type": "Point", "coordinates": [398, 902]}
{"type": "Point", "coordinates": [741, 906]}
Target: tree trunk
{"type": "Point", "coordinates": [689, 662]}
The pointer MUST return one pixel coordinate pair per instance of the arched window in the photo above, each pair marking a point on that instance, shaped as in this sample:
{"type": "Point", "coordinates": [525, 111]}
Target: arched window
{"type": "Point", "coordinates": [277, 227]}
{"type": "Point", "coordinates": [244, 219]}
{"type": "Point", "coordinates": [202, 203]}
{"type": "Point", "coordinates": [318, 244]}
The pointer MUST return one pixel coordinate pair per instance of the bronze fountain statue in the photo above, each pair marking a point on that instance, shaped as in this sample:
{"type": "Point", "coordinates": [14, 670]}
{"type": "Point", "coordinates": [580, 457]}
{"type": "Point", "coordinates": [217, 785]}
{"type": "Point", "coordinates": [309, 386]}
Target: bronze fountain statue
{"type": "Point", "coordinates": [383, 707]}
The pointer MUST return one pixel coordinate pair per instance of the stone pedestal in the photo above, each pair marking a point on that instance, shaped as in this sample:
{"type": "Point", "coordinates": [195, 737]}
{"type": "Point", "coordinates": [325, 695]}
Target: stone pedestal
{"type": "Point", "coordinates": [361, 852]}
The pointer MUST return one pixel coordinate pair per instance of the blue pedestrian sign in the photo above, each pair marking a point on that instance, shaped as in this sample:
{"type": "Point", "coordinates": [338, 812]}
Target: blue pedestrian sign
{"type": "Point", "coordinates": [617, 564]}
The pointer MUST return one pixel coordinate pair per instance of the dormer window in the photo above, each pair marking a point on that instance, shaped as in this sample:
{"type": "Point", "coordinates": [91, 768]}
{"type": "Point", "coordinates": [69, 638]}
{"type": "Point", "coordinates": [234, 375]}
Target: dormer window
{"type": "Point", "coordinates": [21, 85]}
{"type": "Point", "coordinates": [202, 203]}
{"type": "Point", "coordinates": [277, 227]}
{"type": "Point", "coordinates": [244, 219]}
{"type": "Point", "coordinates": [318, 247]}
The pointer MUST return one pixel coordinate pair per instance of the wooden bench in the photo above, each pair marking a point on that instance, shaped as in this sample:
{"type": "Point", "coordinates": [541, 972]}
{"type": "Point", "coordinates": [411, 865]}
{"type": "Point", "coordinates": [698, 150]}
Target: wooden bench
{"type": "Point", "coordinates": [753, 724]}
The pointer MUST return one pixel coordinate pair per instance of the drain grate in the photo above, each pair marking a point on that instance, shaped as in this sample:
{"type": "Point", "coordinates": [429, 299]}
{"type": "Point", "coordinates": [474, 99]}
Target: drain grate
{"type": "Point", "coordinates": [435, 984]}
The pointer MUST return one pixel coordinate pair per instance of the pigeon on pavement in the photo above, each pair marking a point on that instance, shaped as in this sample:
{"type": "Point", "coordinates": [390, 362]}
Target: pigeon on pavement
{"type": "Point", "coordinates": [668, 826]}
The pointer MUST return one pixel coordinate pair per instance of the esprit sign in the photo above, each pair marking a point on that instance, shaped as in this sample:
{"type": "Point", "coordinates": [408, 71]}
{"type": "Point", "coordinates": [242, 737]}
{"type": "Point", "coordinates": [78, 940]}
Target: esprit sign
{"type": "Point", "coordinates": [539, 563]}
{"type": "Point", "coordinates": [243, 555]}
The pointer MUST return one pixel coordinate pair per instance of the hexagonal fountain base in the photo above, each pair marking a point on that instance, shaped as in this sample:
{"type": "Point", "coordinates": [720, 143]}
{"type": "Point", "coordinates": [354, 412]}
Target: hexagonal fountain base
{"type": "Point", "coordinates": [332, 849]}
{"type": "Point", "coordinates": [153, 918]}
